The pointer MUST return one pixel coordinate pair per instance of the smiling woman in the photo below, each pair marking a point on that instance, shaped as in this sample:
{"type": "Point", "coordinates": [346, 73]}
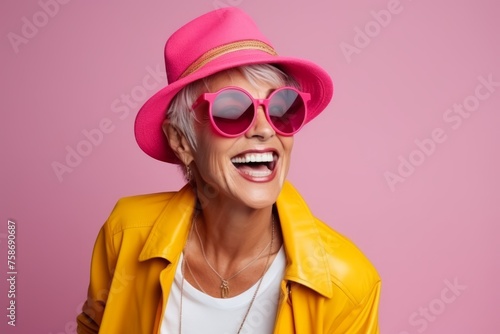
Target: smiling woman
{"type": "Point", "coordinates": [236, 249]}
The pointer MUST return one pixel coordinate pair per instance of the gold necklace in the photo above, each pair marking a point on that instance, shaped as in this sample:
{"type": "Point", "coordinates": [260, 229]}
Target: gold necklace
{"type": "Point", "coordinates": [224, 286]}
{"type": "Point", "coordinates": [256, 290]}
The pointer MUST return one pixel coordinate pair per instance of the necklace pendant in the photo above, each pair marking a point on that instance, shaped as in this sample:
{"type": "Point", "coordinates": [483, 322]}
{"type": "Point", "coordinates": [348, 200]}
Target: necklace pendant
{"type": "Point", "coordinates": [224, 289]}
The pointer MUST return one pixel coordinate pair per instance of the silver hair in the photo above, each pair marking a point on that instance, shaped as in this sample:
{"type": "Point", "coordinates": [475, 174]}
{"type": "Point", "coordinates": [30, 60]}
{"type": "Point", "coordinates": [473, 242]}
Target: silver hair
{"type": "Point", "coordinates": [181, 114]}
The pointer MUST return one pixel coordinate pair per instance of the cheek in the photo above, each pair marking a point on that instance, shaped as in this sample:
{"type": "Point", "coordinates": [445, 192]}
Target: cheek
{"type": "Point", "coordinates": [290, 144]}
{"type": "Point", "coordinates": [287, 143]}
{"type": "Point", "coordinates": [287, 146]}
{"type": "Point", "coordinates": [210, 157]}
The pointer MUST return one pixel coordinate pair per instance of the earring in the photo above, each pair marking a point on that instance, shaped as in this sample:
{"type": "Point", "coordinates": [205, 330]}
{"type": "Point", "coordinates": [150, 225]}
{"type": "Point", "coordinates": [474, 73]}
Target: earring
{"type": "Point", "coordinates": [189, 173]}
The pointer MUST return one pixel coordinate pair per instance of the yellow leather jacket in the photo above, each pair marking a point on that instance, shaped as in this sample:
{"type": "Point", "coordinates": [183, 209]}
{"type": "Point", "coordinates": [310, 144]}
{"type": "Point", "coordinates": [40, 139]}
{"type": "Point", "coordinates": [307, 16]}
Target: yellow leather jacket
{"type": "Point", "coordinates": [329, 285]}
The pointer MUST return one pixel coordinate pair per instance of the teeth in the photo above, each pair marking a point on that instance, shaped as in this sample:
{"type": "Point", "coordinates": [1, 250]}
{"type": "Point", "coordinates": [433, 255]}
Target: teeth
{"type": "Point", "coordinates": [254, 173]}
{"type": "Point", "coordinates": [253, 157]}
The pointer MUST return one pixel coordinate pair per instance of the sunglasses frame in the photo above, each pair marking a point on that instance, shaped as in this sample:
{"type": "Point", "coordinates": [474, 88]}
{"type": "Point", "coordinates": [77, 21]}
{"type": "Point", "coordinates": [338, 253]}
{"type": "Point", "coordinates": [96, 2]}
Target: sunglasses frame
{"type": "Point", "coordinates": [210, 98]}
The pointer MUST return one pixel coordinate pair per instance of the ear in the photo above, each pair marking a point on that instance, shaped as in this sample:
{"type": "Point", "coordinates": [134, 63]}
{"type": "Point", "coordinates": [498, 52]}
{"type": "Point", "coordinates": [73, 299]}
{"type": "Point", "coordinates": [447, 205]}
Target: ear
{"type": "Point", "coordinates": [178, 142]}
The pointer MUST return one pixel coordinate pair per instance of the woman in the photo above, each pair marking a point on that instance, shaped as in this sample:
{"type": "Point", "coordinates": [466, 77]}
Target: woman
{"type": "Point", "coordinates": [236, 250]}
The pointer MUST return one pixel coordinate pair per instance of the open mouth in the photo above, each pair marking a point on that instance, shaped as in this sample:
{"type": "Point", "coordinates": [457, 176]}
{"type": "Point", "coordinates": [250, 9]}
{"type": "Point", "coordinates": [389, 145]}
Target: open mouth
{"type": "Point", "coordinates": [256, 164]}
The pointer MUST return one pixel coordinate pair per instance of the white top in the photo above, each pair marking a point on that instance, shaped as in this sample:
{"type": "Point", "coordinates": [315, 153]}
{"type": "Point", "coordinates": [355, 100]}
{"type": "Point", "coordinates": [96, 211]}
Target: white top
{"type": "Point", "coordinates": [202, 313]}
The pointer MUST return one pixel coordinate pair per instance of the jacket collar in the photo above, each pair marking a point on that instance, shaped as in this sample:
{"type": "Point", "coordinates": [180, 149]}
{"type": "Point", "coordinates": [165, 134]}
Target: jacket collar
{"type": "Point", "coordinates": [307, 262]}
{"type": "Point", "coordinates": [306, 259]}
{"type": "Point", "coordinates": [170, 230]}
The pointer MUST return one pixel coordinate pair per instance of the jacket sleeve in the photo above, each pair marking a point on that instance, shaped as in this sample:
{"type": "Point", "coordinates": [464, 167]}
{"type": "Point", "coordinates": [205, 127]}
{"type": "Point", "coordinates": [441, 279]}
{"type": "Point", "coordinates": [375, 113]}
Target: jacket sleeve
{"type": "Point", "coordinates": [364, 317]}
{"type": "Point", "coordinates": [100, 281]}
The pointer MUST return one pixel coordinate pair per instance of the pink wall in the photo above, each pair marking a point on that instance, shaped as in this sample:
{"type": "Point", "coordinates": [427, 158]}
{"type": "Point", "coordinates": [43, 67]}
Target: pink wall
{"type": "Point", "coordinates": [393, 162]}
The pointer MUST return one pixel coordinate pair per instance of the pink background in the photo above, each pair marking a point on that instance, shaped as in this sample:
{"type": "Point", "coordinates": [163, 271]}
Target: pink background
{"type": "Point", "coordinates": [438, 226]}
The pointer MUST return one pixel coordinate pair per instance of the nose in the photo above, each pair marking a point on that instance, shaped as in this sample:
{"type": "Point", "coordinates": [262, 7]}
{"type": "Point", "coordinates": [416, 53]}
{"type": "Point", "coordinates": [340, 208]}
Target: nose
{"type": "Point", "coordinates": [261, 127]}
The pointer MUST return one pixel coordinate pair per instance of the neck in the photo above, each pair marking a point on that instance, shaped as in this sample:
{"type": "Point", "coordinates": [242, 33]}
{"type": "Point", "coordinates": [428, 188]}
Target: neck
{"type": "Point", "coordinates": [230, 235]}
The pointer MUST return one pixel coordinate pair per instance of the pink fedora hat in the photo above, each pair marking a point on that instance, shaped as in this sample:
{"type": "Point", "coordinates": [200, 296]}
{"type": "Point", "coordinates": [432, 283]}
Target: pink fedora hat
{"type": "Point", "coordinates": [219, 40]}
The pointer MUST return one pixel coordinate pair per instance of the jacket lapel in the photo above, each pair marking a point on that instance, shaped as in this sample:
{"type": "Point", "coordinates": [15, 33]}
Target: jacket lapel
{"type": "Point", "coordinates": [171, 228]}
{"type": "Point", "coordinates": [166, 241]}
{"type": "Point", "coordinates": [307, 262]}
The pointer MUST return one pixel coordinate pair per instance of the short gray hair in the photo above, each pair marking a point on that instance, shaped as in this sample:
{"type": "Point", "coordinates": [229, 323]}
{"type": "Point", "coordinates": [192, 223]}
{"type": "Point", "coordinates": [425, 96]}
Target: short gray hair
{"type": "Point", "coordinates": [181, 114]}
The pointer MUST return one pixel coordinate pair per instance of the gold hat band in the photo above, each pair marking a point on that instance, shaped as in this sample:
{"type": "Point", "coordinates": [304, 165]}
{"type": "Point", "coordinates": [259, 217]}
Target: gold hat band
{"type": "Point", "coordinates": [227, 48]}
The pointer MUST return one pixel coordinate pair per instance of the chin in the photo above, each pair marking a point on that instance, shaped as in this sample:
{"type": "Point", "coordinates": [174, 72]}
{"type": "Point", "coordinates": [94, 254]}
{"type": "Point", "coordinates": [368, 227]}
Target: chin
{"type": "Point", "coordinates": [259, 196]}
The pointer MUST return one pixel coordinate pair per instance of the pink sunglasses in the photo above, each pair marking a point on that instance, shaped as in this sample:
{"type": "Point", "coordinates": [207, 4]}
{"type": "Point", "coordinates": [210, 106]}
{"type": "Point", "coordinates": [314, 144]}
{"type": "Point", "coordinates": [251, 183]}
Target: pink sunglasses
{"type": "Point", "coordinates": [233, 110]}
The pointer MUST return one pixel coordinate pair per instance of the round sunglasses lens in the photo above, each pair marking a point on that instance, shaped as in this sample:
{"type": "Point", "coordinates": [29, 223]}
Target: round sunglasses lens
{"type": "Point", "coordinates": [287, 111]}
{"type": "Point", "coordinates": [232, 111]}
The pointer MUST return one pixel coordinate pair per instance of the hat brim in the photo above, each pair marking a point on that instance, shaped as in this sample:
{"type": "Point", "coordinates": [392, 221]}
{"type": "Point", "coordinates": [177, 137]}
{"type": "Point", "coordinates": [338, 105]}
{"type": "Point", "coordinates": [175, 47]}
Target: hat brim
{"type": "Point", "coordinates": [148, 123]}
